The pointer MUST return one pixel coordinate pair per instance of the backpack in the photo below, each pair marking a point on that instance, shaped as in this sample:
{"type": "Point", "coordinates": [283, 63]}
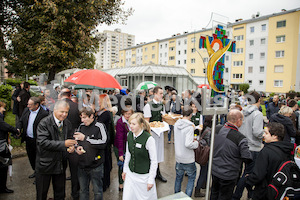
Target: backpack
{"type": "Point", "coordinates": [285, 183]}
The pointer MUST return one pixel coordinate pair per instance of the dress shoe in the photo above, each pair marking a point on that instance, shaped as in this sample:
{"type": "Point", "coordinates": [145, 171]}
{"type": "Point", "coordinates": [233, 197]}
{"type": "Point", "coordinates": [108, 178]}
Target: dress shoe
{"type": "Point", "coordinates": [161, 178]}
{"type": "Point", "coordinates": [198, 193]}
{"type": "Point", "coordinates": [68, 178]}
{"type": "Point", "coordinates": [120, 189]}
{"type": "Point", "coordinates": [32, 175]}
{"type": "Point", "coordinates": [6, 191]}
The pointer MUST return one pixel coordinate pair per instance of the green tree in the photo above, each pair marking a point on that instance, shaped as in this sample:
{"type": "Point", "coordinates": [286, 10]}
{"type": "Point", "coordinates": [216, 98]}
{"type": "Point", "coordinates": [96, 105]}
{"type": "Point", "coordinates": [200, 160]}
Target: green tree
{"type": "Point", "coordinates": [54, 35]}
{"type": "Point", "coordinates": [244, 87]}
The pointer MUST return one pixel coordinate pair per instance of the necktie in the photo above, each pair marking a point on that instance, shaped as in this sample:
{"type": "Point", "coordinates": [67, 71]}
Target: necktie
{"type": "Point", "coordinates": [60, 126]}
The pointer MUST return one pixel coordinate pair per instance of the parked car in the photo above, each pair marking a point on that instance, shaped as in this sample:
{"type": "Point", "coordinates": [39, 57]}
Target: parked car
{"type": "Point", "coordinates": [35, 90]}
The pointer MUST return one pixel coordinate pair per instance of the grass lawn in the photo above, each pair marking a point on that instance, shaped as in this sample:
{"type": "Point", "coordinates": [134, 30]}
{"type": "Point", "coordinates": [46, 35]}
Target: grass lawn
{"type": "Point", "coordinates": [10, 119]}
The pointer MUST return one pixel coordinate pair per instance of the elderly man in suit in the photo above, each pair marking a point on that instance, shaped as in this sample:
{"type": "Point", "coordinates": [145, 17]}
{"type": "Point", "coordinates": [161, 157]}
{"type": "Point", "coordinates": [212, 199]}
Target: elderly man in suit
{"type": "Point", "coordinates": [27, 124]}
{"type": "Point", "coordinates": [52, 149]}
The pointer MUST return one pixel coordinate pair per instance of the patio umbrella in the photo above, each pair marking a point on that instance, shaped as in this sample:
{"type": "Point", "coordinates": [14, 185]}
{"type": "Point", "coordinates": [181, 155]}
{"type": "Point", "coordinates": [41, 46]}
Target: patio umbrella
{"type": "Point", "coordinates": [93, 79]}
{"type": "Point", "coordinates": [202, 85]}
{"type": "Point", "coordinates": [146, 85]}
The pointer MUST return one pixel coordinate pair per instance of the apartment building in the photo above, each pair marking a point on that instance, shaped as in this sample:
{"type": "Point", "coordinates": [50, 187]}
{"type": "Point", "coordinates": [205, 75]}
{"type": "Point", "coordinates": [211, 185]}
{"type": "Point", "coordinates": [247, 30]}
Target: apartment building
{"type": "Point", "coordinates": [111, 43]}
{"type": "Point", "coordinates": [267, 53]}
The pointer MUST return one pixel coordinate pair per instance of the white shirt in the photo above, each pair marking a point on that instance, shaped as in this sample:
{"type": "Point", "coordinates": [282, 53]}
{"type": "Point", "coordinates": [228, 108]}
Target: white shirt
{"type": "Point", "coordinates": [150, 146]}
{"type": "Point", "coordinates": [31, 120]}
{"type": "Point", "coordinates": [147, 109]}
{"type": "Point", "coordinates": [126, 122]}
{"type": "Point", "coordinates": [57, 121]}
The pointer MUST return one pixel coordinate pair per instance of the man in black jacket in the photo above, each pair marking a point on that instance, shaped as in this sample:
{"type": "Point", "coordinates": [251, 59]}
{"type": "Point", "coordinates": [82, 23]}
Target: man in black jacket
{"type": "Point", "coordinates": [273, 107]}
{"type": "Point", "coordinates": [27, 125]}
{"type": "Point", "coordinates": [74, 118]}
{"type": "Point", "coordinates": [274, 152]}
{"type": "Point", "coordinates": [23, 97]}
{"type": "Point", "coordinates": [92, 139]}
{"type": "Point", "coordinates": [52, 151]}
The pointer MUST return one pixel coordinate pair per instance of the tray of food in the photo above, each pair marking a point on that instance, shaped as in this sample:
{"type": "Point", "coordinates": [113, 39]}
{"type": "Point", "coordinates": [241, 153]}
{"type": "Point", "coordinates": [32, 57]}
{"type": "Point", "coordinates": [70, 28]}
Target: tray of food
{"type": "Point", "coordinates": [159, 127]}
{"type": "Point", "coordinates": [171, 118]}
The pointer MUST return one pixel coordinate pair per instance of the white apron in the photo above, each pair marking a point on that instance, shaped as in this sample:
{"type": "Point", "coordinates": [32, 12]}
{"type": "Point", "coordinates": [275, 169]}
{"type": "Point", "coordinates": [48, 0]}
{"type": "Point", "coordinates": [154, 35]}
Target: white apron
{"type": "Point", "coordinates": [159, 143]}
{"type": "Point", "coordinates": [135, 187]}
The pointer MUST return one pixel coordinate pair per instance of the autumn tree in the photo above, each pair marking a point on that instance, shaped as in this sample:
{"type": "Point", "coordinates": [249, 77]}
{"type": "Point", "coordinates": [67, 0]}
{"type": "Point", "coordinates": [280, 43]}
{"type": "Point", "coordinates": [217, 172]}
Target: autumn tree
{"type": "Point", "coordinates": [53, 35]}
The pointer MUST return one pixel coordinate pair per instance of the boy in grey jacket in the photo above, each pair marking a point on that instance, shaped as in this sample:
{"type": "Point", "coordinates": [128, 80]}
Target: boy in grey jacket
{"type": "Point", "coordinates": [253, 129]}
{"type": "Point", "coordinates": [184, 151]}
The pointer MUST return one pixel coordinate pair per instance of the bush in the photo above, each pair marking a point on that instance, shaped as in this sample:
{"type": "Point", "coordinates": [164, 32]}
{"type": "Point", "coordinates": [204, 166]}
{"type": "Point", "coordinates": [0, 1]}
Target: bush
{"type": "Point", "coordinates": [5, 94]}
{"type": "Point", "coordinates": [244, 87]}
{"type": "Point", "coordinates": [14, 82]}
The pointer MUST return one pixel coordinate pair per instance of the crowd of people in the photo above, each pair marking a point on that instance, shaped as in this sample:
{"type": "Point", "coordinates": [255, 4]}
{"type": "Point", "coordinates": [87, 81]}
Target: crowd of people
{"type": "Point", "coordinates": [62, 128]}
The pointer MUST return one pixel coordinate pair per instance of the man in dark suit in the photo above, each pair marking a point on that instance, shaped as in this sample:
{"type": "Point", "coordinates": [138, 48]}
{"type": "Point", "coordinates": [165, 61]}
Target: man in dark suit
{"type": "Point", "coordinates": [75, 120]}
{"type": "Point", "coordinates": [27, 124]}
{"type": "Point", "coordinates": [52, 149]}
{"type": "Point", "coordinates": [23, 97]}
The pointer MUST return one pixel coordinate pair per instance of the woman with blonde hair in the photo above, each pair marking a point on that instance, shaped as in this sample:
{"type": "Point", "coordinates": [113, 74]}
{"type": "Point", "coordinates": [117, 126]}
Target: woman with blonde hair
{"type": "Point", "coordinates": [140, 161]}
{"type": "Point", "coordinates": [283, 117]}
{"type": "Point", "coordinates": [105, 116]}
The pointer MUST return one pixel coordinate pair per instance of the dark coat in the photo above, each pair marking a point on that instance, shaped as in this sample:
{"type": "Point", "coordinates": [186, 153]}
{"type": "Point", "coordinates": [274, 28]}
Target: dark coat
{"type": "Point", "coordinates": [73, 115]}
{"type": "Point", "coordinates": [272, 108]}
{"type": "Point", "coordinates": [51, 152]}
{"type": "Point", "coordinates": [23, 122]}
{"type": "Point", "coordinates": [289, 128]}
{"type": "Point", "coordinates": [266, 165]}
{"type": "Point", "coordinates": [25, 96]}
{"type": "Point", "coordinates": [16, 103]}
{"type": "Point", "coordinates": [5, 128]}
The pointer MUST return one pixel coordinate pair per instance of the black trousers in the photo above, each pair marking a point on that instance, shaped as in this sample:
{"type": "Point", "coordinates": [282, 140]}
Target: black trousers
{"type": "Point", "coordinates": [3, 177]}
{"type": "Point", "coordinates": [31, 151]}
{"type": "Point", "coordinates": [222, 189]}
{"type": "Point", "coordinates": [73, 164]}
{"type": "Point", "coordinates": [43, 183]}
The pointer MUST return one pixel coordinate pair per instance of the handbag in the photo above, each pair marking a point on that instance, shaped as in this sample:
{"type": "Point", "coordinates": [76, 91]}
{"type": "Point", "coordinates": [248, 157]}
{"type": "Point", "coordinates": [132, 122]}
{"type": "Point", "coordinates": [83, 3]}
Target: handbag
{"type": "Point", "coordinates": [202, 152]}
{"type": "Point", "coordinates": [5, 156]}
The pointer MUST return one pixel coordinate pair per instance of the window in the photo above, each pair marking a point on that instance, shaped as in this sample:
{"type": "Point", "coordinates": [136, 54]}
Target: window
{"type": "Point", "coordinates": [251, 42]}
{"type": "Point", "coordinates": [238, 28]}
{"type": "Point", "coordinates": [263, 27]}
{"type": "Point", "coordinates": [171, 48]}
{"type": "Point", "coordinates": [205, 59]}
{"type": "Point", "coordinates": [124, 82]}
{"type": "Point", "coordinates": [178, 42]}
{"type": "Point", "coordinates": [250, 82]}
{"type": "Point", "coordinates": [153, 56]}
{"type": "Point", "coordinates": [161, 46]}
{"type": "Point", "coordinates": [146, 49]}
{"type": "Point", "coordinates": [239, 50]}
{"type": "Point", "coordinates": [239, 38]}
{"type": "Point", "coordinates": [166, 45]}
{"type": "Point", "coordinates": [262, 55]}
{"type": "Point", "coordinates": [204, 70]}
{"type": "Point", "coordinates": [226, 69]}
{"type": "Point", "coordinates": [153, 47]}
{"type": "Point", "coordinates": [279, 54]}
{"type": "Point", "coordinates": [193, 50]}
{"type": "Point", "coordinates": [238, 63]}
{"type": "Point", "coordinates": [280, 38]}
{"type": "Point", "coordinates": [184, 62]}
{"type": "Point", "coordinates": [278, 68]}
{"type": "Point", "coordinates": [166, 54]}
{"type": "Point", "coordinates": [133, 55]}
{"type": "Point", "coordinates": [193, 60]}
{"type": "Point", "coordinates": [237, 76]}
{"type": "Point", "coordinates": [178, 52]}
{"type": "Point", "coordinates": [261, 82]}
{"type": "Point", "coordinates": [250, 70]}
{"type": "Point", "coordinates": [263, 41]}
{"type": "Point", "coordinates": [261, 69]}
{"type": "Point", "coordinates": [193, 40]}
{"type": "Point", "coordinates": [160, 55]}
{"type": "Point", "coordinates": [185, 41]}
{"type": "Point", "coordinates": [192, 71]}
{"type": "Point", "coordinates": [227, 58]}
{"type": "Point", "coordinates": [185, 51]}
{"type": "Point", "coordinates": [251, 56]}
{"type": "Point", "coordinates": [278, 83]}
{"type": "Point", "coordinates": [146, 57]}
{"type": "Point", "coordinates": [281, 23]}
{"type": "Point", "coordinates": [252, 29]}
{"type": "Point", "coordinates": [172, 58]}
{"type": "Point", "coordinates": [172, 41]}
{"type": "Point", "coordinates": [178, 62]}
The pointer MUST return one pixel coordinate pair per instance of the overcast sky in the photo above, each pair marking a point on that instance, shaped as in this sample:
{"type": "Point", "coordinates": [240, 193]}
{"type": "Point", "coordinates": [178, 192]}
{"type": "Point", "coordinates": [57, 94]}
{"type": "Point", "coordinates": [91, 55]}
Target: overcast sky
{"type": "Point", "coordinates": [159, 19]}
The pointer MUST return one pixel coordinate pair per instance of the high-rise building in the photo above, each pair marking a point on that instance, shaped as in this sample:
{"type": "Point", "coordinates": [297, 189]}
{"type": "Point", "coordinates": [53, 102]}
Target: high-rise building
{"type": "Point", "coordinates": [267, 53]}
{"type": "Point", "coordinates": [111, 43]}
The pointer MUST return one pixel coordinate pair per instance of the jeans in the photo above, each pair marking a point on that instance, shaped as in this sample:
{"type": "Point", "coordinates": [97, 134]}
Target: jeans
{"type": "Point", "coordinates": [95, 175]}
{"type": "Point", "coordinates": [202, 176]}
{"type": "Point", "coordinates": [170, 132]}
{"type": "Point", "coordinates": [242, 181]}
{"type": "Point", "coordinates": [221, 189]}
{"type": "Point", "coordinates": [191, 172]}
